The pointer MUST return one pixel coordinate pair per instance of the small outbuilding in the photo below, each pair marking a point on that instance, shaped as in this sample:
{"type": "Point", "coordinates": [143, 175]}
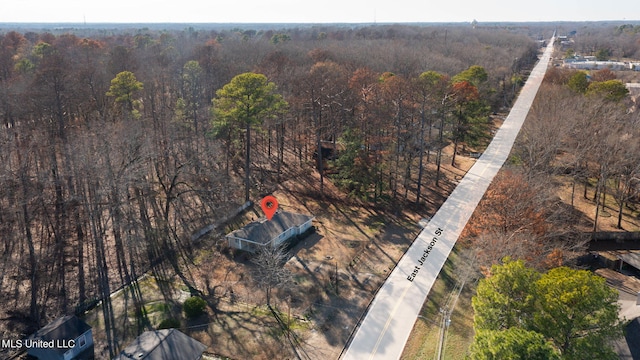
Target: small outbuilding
{"type": "Point", "coordinates": [66, 338]}
{"type": "Point", "coordinates": [262, 233]}
{"type": "Point", "coordinates": [166, 344]}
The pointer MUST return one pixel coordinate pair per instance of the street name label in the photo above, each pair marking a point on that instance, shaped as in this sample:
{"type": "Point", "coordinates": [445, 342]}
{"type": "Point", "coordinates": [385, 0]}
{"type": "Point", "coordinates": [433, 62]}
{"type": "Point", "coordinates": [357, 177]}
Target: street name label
{"type": "Point", "coordinates": [425, 254]}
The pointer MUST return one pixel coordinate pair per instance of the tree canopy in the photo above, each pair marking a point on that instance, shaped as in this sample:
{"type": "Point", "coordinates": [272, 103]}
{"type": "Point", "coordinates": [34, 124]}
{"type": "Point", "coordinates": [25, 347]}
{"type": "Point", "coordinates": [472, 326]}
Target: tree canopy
{"type": "Point", "coordinates": [506, 298]}
{"type": "Point", "coordinates": [573, 309]}
{"type": "Point", "coordinates": [123, 86]}
{"type": "Point", "coordinates": [612, 90]}
{"type": "Point", "coordinates": [246, 101]}
{"type": "Point", "coordinates": [578, 311]}
{"type": "Point", "coordinates": [579, 82]}
{"type": "Point", "coordinates": [355, 169]}
{"type": "Point", "coordinates": [514, 344]}
{"type": "Point", "coordinates": [475, 74]}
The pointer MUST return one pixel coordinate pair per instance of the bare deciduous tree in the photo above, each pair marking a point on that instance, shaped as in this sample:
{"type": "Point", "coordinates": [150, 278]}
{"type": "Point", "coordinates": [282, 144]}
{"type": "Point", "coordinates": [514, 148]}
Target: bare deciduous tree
{"type": "Point", "coordinates": [270, 272]}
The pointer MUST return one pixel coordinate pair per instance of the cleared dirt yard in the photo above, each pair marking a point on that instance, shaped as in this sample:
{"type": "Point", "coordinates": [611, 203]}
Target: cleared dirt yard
{"type": "Point", "coordinates": [336, 272]}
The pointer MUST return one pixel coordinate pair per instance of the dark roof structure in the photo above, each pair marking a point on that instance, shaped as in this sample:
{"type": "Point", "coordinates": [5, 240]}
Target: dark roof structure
{"type": "Point", "coordinates": [66, 327]}
{"type": "Point", "coordinates": [166, 344]}
{"type": "Point", "coordinates": [263, 231]}
{"type": "Point", "coordinates": [630, 257]}
{"type": "Point", "coordinates": [63, 328]}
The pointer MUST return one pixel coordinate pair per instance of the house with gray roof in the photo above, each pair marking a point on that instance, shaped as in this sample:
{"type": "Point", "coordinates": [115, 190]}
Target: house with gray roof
{"type": "Point", "coordinates": [261, 233]}
{"type": "Point", "coordinates": [166, 344]}
{"type": "Point", "coordinates": [65, 338]}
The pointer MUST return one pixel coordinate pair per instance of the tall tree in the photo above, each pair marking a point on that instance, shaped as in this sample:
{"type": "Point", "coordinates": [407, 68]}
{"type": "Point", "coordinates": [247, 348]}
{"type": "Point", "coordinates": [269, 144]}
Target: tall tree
{"type": "Point", "coordinates": [511, 204]}
{"type": "Point", "coordinates": [578, 312]}
{"type": "Point", "coordinates": [475, 75]}
{"type": "Point", "coordinates": [356, 170]}
{"type": "Point", "coordinates": [627, 174]}
{"type": "Point", "coordinates": [123, 87]}
{"type": "Point", "coordinates": [579, 82]}
{"type": "Point", "coordinates": [397, 105]}
{"type": "Point", "coordinates": [324, 88]}
{"type": "Point", "coordinates": [270, 272]}
{"type": "Point", "coordinates": [430, 87]}
{"type": "Point", "coordinates": [465, 95]}
{"type": "Point", "coordinates": [612, 90]}
{"type": "Point", "coordinates": [245, 102]}
{"type": "Point", "coordinates": [506, 297]}
{"type": "Point", "coordinates": [192, 90]}
{"type": "Point", "coordinates": [574, 309]}
{"type": "Point", "coordinates": [542, 134]}
{"type": "Point", "coordinates": [366, 89]}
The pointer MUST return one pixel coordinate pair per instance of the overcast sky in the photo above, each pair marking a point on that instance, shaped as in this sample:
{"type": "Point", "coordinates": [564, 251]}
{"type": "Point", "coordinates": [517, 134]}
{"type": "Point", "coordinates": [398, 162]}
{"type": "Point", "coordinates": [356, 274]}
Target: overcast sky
{"type": "Point", "coordinates": [323, 11]}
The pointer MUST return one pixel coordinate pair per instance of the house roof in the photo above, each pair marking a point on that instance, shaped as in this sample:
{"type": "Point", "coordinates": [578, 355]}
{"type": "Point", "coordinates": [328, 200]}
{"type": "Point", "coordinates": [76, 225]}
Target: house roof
{"type": "Point", "coordinates": [63, 328]}
{"type": "Point", "coordinates": [166, 344]}
{"type": "Point", "coordinates": [263, 230]}
{"type": "Point", "coordinates": [630, 257]}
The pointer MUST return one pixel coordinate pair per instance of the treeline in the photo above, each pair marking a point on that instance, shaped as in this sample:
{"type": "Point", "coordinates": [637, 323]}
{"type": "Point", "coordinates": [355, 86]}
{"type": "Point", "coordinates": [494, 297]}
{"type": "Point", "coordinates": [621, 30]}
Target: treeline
{"type": "Point", "coordinates": [596, 126]}
{"type": "Point", "coordinates": [582, 130]}
{"type": "Point", "coordinates": [616, 42]}
{"type": "Point", "coordinates": [110, 158]}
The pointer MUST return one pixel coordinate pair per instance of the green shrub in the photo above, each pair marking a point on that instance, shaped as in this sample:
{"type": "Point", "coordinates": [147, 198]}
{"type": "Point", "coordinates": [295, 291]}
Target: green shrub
{"type": "Point", "coordinates": [194, 306]}
{"type": "Point", "coordinates": [170, 323]}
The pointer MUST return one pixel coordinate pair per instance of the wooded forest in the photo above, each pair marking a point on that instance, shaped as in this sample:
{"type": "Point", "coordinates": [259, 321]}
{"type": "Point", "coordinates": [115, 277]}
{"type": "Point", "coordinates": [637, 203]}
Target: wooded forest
{"type": "Point", "coordinates": [117, 145]}
{"type": "Point", "coordinates": [572, 174]}
{"type": "Point", "coordinates": [586, 137]}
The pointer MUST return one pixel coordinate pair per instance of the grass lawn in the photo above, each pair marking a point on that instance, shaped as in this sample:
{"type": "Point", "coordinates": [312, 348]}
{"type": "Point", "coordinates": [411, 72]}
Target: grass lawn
{"type": "Point", "coordinates": [424, 339]}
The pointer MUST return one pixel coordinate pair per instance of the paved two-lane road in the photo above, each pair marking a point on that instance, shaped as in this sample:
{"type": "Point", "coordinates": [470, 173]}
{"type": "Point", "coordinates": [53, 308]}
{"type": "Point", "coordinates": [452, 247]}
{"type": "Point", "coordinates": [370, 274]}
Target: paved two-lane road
{"type": "Point", "coordinates": [387, 326]}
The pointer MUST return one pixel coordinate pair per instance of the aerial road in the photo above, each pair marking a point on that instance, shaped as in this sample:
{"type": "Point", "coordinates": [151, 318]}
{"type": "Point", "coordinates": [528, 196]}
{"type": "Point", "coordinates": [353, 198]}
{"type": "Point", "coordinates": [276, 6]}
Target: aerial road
{"type": "Point", "coordinates": [386, 327]}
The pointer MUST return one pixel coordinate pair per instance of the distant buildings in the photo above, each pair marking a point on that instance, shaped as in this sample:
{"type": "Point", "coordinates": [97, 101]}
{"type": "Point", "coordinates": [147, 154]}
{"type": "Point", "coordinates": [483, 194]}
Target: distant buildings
{"type": "Point", "coordinates": [590, 62]}
{"type": "Point", "coordinates": [585, 64]}
{"type": "Point", "coordinates": [258, 234]}
{"type": "Point", "coordinates": [564, 40]}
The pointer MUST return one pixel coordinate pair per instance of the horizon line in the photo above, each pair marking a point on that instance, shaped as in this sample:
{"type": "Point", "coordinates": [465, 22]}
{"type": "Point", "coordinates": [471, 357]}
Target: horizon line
{"type": "Point", "coordinates": [307, 23]}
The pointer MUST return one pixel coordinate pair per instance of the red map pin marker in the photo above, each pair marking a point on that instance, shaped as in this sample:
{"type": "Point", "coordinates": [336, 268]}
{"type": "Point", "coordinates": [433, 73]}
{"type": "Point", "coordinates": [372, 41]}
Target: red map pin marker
{"type": "Point", "coordinates": [269, 205]}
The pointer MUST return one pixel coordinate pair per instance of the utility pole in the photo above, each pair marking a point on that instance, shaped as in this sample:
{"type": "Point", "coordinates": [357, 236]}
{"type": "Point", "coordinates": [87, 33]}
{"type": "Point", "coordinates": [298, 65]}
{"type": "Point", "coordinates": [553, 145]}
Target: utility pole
{"type": "Point", "coordinates": [443, 324]}
{"type": "Point", "coordinates": [446, 318]}
{"type": "Point", "coordinates": [337, 289]}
